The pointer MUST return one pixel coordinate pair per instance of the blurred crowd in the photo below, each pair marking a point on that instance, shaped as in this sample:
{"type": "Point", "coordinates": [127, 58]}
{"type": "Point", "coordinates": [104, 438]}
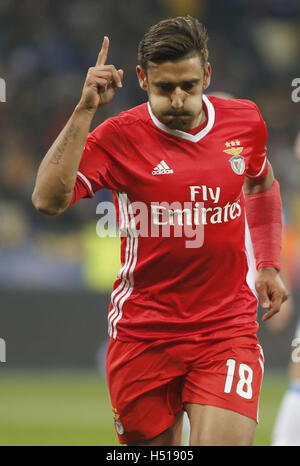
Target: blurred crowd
{"type": "Point", "coordinates": [46, 48]}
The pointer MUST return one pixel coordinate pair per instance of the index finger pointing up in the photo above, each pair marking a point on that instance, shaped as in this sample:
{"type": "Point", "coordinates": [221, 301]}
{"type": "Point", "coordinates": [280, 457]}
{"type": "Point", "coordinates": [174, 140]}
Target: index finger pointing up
{"type": "Point", "coordinates": [102, 57]}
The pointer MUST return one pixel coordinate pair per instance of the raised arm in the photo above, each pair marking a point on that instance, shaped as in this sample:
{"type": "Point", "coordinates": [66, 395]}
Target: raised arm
{"type": "Point", "coordinates": [57, 173]}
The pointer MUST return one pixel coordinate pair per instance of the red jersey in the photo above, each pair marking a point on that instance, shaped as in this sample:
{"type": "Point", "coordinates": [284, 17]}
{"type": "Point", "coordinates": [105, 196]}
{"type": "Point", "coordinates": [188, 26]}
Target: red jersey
{"type": "Point", "coordinates": [168, 286]}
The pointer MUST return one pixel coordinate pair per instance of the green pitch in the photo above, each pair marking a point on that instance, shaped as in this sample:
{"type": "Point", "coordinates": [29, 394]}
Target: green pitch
{"type": "Point", "coordinates": [74, 409]}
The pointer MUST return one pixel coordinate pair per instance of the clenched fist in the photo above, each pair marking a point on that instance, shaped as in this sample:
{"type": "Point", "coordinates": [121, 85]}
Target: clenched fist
{"type": "Point", "coordinates": [102, 82]}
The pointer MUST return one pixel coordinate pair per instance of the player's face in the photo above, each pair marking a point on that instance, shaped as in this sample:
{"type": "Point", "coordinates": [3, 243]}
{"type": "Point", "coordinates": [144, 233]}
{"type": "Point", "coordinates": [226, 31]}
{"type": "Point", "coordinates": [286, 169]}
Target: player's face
{"type": "Point", "coordinates": [175, 90]}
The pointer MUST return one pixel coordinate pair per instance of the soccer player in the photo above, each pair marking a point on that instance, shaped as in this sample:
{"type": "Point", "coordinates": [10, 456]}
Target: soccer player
{"type": "Point", "coordinates": [286, 430]}
{"type": "Point", "coordinates": [182, 317]}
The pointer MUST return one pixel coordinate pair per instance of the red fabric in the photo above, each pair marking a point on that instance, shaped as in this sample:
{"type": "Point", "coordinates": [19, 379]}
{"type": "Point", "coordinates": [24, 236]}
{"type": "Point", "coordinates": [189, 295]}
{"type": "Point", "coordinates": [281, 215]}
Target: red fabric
{"type": "Point", "coordinates": [79, 192]}
{"type": "Point", "coordinates": [150, 382]}
{"type": "Point", "coordinates": [264, 214]}
{"type": "Point", "coordinates": [200, 280]}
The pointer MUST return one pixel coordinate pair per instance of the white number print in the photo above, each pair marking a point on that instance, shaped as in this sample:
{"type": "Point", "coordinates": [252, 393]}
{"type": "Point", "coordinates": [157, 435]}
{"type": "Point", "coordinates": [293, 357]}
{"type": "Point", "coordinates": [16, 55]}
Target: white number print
{"type": "Point", "coordinates": [244, 387]}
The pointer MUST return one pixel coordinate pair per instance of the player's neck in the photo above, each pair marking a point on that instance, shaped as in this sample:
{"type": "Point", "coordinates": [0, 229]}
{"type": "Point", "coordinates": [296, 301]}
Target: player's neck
{"type": "Point", "coordinates": [199, 123]}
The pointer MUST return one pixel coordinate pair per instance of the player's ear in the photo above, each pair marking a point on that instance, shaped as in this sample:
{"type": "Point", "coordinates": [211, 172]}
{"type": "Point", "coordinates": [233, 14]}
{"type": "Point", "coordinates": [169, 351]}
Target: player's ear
{"type": "Point", "coordinates": [207, 76]}
{"type": "Point", "coordinates": [142, 77]}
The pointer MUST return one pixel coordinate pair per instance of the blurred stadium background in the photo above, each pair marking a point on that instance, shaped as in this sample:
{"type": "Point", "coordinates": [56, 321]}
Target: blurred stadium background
{"type": "Point", "coordinates": [55, 273]}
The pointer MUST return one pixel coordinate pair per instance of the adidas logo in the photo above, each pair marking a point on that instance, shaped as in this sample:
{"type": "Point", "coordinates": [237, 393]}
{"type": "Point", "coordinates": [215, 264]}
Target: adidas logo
{"type": "Point", "coordinates": [162, 169]}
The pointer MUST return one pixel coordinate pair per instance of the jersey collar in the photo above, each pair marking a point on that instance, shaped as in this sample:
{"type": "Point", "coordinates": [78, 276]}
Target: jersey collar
{"type": "Point", "coordinates": [183, 134]}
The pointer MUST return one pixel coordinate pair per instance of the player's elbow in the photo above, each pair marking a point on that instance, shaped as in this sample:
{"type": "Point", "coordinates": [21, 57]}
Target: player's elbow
{"type": "Point", "coordinates": [45, 207]}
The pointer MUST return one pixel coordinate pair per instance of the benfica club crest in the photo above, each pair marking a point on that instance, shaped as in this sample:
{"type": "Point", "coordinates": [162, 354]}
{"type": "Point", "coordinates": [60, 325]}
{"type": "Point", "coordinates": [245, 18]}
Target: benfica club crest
{"type": "Point", "coordinates": [118, 425]}
{"type": "Point", "coordinates": [237, 161]}
{"type": "Point", "coordinates": [237, 164]}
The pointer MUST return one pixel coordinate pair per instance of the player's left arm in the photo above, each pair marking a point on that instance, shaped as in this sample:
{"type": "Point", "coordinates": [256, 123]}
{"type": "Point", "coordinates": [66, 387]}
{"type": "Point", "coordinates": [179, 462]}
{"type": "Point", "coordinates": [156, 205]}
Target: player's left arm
{"type": "Point", "coordinates": [264, 216]}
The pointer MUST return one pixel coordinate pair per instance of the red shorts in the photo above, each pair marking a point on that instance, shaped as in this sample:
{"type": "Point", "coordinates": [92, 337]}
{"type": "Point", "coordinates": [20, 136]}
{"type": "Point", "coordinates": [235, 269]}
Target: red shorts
{"type": "Point", "coordinates": [150, 381]}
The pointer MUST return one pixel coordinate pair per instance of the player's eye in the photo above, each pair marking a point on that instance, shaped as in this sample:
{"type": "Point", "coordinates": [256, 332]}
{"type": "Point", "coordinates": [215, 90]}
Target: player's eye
{"type": "Point", "coordinates": [188, 86]}
{"type": "Point", "coordinates": [165, 87]}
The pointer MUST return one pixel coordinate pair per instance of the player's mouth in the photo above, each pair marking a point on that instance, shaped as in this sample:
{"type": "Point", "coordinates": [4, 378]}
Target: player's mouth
{"type": "Point", "coordinates": [177, 115]}
{"type": "Point", "coordinates": [177, 120]}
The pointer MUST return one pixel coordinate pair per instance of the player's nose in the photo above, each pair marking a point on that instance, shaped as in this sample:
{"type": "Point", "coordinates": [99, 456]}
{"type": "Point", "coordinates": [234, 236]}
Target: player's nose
{"type": "Point", "coordinates": [177, 99]}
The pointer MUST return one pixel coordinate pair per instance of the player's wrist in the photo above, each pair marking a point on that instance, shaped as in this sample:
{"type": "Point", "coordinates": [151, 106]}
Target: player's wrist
{"type": "Point", "coordinates": [268, 269]}
{"type": "Point", "coordinates": [82, 109]}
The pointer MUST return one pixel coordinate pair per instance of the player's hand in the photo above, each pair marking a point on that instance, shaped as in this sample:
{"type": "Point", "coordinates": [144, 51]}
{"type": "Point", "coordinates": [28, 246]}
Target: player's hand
{"type": "Point", "coordinates": [102, 81]}
{"type": "Point", "coordinates": [271, 290]}
{"type": "Point", "coordinates": [281, 320]}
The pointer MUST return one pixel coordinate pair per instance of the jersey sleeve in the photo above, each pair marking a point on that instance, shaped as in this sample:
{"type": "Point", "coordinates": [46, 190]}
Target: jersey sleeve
{"type": "Point", "coordinates": [258, 164]}
{"type": "Point", "coordinates": [98, 166]}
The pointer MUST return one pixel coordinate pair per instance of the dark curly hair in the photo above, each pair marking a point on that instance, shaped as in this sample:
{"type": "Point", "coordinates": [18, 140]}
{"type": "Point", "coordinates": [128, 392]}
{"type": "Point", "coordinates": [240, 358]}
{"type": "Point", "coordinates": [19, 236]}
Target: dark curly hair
{"type": "Point", "coordinates": [173, 39]}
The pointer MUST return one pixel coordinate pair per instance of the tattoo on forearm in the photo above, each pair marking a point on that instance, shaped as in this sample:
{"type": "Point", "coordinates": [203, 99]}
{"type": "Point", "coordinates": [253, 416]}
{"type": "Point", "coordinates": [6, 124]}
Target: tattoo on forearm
{"type": "Point", "coordinates": [71, 135]}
